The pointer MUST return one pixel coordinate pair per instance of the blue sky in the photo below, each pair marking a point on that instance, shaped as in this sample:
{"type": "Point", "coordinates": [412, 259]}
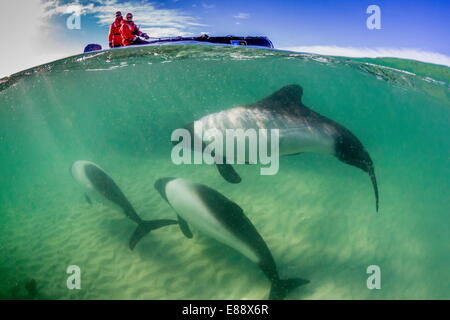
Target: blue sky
{"type": "Point", "coordinates": [417, 29]}
{"type": "Point", "coordinates": [423, 24]}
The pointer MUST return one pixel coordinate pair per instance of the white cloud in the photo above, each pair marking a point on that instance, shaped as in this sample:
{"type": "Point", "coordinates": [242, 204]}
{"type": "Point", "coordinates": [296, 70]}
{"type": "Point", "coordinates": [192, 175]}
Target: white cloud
{"type": "Point", "coordinates": [403, 53]}
{"type": "Point", "coordinates": [242, 15]}
{"type": "Point", "coordinates": [155, 21]}
{"type": "Point", "coordinates": [208, 5]}
{"type": "Point", "coordinates": [27, 30]}
{"type": "Point", "coordinates": [27, 37]}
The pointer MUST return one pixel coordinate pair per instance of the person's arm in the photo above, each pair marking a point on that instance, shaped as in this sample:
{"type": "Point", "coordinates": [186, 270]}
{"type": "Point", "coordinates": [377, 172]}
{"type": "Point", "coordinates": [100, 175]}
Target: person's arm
{"type": "Point", "coordinates": [110, 35]}
{"type": "Point", "coordinates": [141, 34]}
{"type": "Point", "coordinates": [136, 30]}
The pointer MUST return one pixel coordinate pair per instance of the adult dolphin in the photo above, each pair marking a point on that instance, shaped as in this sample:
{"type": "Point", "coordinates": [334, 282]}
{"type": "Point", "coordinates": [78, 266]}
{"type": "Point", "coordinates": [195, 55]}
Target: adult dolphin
{"type": "Point", "coordinates": [99, 185]}
{"type": "Point", "coordinates": [220, 218]}
{"type": "Point", "coordinates": [300, 130]}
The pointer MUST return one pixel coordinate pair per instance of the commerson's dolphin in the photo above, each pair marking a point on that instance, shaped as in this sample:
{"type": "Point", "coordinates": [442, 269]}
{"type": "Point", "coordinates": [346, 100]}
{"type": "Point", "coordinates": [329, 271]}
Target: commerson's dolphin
{"type": "Point", "coordinates": [99, 185]}
{"type": "Point", "coordinates": [220, 218]}
{"type": "Point", "coordinates": [300, 130]}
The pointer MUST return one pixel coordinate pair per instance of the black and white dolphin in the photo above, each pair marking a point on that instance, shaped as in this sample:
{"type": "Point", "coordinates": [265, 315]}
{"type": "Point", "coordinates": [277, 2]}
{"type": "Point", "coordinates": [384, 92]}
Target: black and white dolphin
{"type": "Point", "coordinates": [300, 130]}
{"type": "Point", "coordinates": [220, 218]}
{"type": "Point", "coordinates": [100, 186]}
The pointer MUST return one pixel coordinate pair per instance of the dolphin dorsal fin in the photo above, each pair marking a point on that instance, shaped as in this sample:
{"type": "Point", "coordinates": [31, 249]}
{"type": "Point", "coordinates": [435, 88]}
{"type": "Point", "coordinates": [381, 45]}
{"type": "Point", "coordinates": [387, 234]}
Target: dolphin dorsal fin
{"type": "Point", "coordinates": [288, 98]}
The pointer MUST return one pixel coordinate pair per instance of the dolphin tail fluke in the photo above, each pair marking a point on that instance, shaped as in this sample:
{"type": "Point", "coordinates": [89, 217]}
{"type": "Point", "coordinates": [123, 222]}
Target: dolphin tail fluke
{"type": "Point", "coordinates": [280, 288]}
{"type": "Point", "coordinates": [228, 173]}
{"type": "Point", "coordinates": [145, 227]}
{"type": "Point", "coordinates": [375, 185]}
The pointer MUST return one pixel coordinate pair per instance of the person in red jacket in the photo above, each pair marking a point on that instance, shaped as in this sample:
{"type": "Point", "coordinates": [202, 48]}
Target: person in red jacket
{"type": "Point", "coordinates": [114, 36]}
{"type": "Point", "coordinates": [130, 32]}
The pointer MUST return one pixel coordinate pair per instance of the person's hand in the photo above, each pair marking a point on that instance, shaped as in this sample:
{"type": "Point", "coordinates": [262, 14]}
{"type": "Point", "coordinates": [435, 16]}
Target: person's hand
{"type": "Point", "coordinates": [110, 45]}
{"type": "Point", "coordinates": [145, 36]}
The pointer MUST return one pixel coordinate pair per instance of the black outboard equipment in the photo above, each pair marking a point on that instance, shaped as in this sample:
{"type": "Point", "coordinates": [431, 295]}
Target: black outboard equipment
{"type": "Point", "coordinates": [92, 47]}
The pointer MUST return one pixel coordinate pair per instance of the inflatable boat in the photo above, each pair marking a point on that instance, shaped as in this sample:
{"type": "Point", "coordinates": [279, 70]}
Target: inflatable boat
{"type": "Point", "coordinates": [226, 40]}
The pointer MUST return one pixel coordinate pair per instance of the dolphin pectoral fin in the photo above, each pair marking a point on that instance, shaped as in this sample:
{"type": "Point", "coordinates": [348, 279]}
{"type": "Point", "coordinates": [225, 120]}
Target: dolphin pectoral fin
{"type": "Point", "coordinates": [280, 288]}
{"type": "Point", "coordinates": [184, 227]}
{"type": "Point", "coordinates": [228, 173]}
{"type": "Point", "coordinates": [88, 200]}
{"type": "Point", "coordinates": [145, 227]}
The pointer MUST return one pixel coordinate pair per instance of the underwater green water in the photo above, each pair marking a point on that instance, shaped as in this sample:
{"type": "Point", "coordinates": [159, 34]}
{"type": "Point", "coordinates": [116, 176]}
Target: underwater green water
{"type": "Point", "coordinates": [317, 215]}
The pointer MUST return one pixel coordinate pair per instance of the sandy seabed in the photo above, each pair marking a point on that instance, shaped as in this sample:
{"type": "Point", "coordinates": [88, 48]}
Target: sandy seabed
{"type": "Point", "coordinates": [320, 225]}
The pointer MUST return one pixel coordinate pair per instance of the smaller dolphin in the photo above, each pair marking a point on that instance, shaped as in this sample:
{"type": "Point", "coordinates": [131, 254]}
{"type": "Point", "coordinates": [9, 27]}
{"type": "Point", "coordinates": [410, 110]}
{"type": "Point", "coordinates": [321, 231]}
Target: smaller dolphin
{"type": "Point", "coordinates": [222, 219]}
{"type": "Point", "coordinates": [101, 186]}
